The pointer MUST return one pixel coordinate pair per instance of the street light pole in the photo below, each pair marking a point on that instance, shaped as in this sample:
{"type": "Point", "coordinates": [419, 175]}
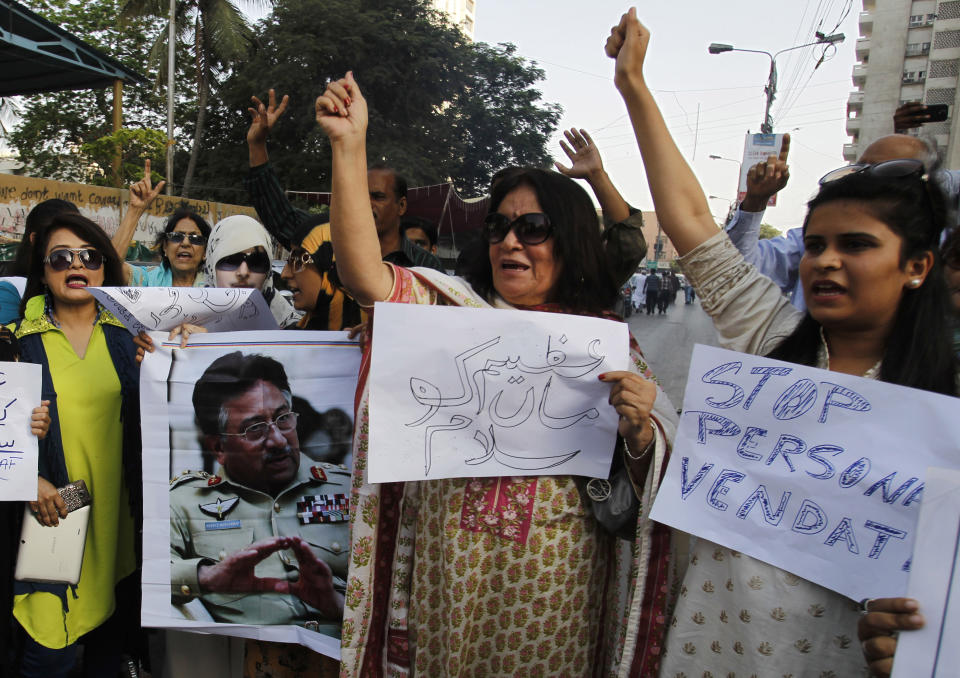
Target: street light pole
{"type": "Point", "coordinates": [771, 87]}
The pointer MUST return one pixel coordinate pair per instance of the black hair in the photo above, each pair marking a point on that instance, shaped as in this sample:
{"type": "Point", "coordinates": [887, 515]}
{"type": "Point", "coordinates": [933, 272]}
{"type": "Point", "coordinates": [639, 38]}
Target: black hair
{"type": "Point", "coordinates": [424, 225]}
{"type": "Point", "coordinates": [88, 231]}
{"type": "Point", "coordinates": [585, 284]}
{"type": "Point", "coordinates": [501, 174]}
{"type": "Point", "coordinates": [399, 181]}
{"type": "Point", "coordinates": [179, 214]}
{"type": "Point", "coordinates": [227, 377]}
{"type": "Point", "coordinates": [38, 219]}
{"type": "Point", "coordinates": [918, 351]}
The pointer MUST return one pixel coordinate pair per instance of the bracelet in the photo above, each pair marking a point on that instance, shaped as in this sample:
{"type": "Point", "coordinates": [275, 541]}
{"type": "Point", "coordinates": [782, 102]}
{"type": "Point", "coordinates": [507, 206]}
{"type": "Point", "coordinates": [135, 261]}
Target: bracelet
{"type": "Point", "coordinates": [647, 449]}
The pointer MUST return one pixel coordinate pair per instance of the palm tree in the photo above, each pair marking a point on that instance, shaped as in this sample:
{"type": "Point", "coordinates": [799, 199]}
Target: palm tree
{"type": "Point", "coordinates": [220, 35]}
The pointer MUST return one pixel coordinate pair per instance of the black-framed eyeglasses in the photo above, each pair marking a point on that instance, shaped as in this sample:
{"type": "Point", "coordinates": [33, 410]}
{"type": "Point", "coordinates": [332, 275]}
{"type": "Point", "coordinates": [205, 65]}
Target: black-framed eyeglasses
{"type": "Point", "coordinates": [531, 229]}
{"type": "Point", "coordinates": [889, 169]}
{"type": "Point", "coordinates": [257, 262]}
{"type": "Point", "coordinates": [298, 261]}
{"type": "Point", "coordinates": [254, 433]}
{"type": "Point", "coordinates": [176, 237]}
{"type": "Point", "coordinates": [62, 259]}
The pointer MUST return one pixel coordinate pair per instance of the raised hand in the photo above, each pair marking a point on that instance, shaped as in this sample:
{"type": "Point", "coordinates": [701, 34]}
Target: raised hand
{"type": "Point", "coordinates": [263, 118]}
{"type": "Point", "coordinates": [143, 193]}
{"type": "Point", "coordinates": [628, 45]}
{"type": "Point", "coordinates": [910, 116]}
{"type": "Point", "coordinates": [767, 178]}
{"type": "Point", "coordinates": [342, 111]}
{"type": "Point", "coordinates": [583, 153]}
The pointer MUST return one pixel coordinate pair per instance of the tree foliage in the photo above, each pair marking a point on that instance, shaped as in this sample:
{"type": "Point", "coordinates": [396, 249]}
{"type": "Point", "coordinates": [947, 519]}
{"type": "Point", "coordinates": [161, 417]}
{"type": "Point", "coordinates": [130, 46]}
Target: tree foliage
{"type": "Point", "coordinates": [135, 146]}
{"type": "Point", "coordinates": [219, 36]}
{"type": "Point", "coordinates": [53, 127]}
{"type": "Point", "coordinates": [440, 106]}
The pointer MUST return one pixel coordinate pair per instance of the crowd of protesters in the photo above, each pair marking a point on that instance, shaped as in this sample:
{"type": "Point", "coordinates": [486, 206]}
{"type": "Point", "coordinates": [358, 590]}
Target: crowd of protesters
{"type": "Point", "coordinates": [876, 259]}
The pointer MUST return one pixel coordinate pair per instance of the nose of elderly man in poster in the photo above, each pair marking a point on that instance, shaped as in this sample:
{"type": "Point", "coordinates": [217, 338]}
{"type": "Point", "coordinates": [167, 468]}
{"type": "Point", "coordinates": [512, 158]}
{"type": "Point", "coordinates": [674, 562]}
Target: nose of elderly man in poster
{"type": "Point", "coordinates": [816, 472]}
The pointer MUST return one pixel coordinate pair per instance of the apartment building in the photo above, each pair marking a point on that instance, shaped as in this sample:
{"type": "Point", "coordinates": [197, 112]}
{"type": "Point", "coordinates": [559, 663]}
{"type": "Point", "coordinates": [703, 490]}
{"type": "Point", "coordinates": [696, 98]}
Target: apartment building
{"type": "Point", "coordinates": [462, 13]}
{"type": "Point", "coordinates": [908, 50]}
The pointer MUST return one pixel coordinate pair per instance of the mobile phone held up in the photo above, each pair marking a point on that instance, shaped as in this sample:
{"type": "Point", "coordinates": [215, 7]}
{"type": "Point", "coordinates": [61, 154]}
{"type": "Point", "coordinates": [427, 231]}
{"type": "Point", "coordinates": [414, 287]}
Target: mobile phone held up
{"type": "Point", "coordinates": [937, 113]}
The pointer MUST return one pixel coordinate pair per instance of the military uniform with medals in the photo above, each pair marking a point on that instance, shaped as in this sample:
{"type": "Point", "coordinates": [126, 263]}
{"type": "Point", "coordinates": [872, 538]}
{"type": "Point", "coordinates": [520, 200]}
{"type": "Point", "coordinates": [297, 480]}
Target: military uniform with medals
{"type": "Point", "coordinates": [212, 517]}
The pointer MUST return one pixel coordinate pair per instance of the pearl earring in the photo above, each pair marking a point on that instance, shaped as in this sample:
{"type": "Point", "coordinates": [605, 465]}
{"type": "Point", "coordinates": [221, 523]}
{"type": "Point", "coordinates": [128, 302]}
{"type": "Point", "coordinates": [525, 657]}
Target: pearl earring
{"type": "Point", "coordinates": [915, 283]}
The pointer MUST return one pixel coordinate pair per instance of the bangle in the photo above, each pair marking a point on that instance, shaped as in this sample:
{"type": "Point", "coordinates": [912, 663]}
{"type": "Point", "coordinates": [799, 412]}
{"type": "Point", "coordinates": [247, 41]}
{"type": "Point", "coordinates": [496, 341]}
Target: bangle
{"type": "Point", "coordinates": [647, 449]}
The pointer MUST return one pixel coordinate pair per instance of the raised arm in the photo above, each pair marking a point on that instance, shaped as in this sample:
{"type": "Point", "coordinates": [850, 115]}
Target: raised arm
{"type": "Point", "coordinates": [278, 216]}
{"type": "Point", "coordinates": [342, 113]}
{"type": "Point", "coordinates": [681, 206]}
{"type": "Point", "coordinates": [142, 195]}
{"type": "Point", "coordinates": [586, 164]}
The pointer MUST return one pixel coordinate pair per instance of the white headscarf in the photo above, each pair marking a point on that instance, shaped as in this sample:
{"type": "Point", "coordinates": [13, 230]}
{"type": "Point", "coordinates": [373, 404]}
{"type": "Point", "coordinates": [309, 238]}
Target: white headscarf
{"type": "Point", "coordinates": [236, 234]}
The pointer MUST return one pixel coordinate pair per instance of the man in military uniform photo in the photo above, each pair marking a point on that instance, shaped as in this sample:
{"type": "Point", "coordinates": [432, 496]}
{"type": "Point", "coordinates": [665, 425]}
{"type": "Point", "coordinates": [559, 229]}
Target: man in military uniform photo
{"type": "Point", "coordinates": [264, 541]}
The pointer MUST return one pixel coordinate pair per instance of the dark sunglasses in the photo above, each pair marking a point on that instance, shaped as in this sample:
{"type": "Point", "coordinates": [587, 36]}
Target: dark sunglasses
{"type": "Point", "coordinates": [299, 260]}
{"type": "Point", "coordinates": [257, 262]}
{"type": "Point", "coordinates": [62, 259]}
{"type": "Point", "coordinates": [176, 237]}
{"type": "Point", "coordinates": [889, 169]}
{"type": "Point", "coordinates": [531, 229]}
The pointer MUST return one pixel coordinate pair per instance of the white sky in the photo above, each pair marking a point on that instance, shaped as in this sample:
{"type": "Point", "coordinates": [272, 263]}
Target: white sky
{"type": "Point", "coordinates": [566, 38]}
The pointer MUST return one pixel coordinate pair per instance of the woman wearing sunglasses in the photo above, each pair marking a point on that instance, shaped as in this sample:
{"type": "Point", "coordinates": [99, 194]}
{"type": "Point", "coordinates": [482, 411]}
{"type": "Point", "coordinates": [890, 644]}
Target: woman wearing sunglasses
{"type": "Point", "coordinates": [90, 376]}
{"type": "Point", "coordinates": [872, 279]}
{"type": "Point", "coordinates": [238, 255]}
{"type": "Point", "coordinates": [547, 594]}
{"type": "Point", "coordinates": [182, 245]}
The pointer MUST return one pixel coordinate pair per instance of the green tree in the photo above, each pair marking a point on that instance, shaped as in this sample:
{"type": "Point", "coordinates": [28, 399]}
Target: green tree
{"type": "Point", "coordinates": [768, 231]}
{"type": "Point", "coordinates": [219, 36]}
{"type": "Point", "coordinates": [53, 127]}
{"type": "Point", "coordinates": [440, 107]}
{"type": "Point", "coordinates": [134, 146]}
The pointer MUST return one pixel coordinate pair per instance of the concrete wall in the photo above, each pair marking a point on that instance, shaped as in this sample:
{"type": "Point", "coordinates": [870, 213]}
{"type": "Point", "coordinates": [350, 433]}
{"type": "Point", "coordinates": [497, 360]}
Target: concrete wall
{"type": "Point", "coordinates": [105, 206]}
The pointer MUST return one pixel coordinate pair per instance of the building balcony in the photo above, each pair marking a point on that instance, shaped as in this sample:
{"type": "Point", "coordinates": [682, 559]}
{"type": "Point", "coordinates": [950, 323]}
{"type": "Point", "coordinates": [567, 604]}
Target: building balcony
{"type": "Point", "coordinates": [855, 102]}
{"type": "Point", "coordinates": [863, 48]}
{"type": "Point", "coordinates": [859, 75]}
{"type": "Point", "coordinates": [912, 79]}
{"type": "Point", "coordinates": [853, 126]}
{"type": "Point", "coordinates": [866, 24]}
{"type": "Point", "coordinates": [922, 50]}
{"type": "Point", "coordinates": [849, 152]}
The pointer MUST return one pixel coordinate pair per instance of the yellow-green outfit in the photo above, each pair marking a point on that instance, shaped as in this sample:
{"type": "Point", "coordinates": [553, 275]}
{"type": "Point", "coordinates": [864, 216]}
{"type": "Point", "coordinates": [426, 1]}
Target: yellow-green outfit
{"type": "Point", "coordinates": [88, 405]}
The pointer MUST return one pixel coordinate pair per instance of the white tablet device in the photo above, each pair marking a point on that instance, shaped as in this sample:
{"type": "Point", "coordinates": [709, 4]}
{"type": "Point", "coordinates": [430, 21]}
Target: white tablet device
{"type": "Point", "coordinates": [52, 554]}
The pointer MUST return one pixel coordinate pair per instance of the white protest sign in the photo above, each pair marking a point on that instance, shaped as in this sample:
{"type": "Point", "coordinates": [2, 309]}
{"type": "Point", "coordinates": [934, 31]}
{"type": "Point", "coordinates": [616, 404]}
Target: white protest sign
{"type": "Point", "coordinates": [219, 309]}
{"type": "Point", "coordinates": [19, 394]}
{"type": "Point", "coordinates": [815, 472]}
{"type": "Point", "coordinates": [757, 148]}
{"type": "Point", "coordinates": [460, 392]}
{"type": "Point", "coordinates": [935, 583]}
{"type": "Point", "coordinates": [179, 459]}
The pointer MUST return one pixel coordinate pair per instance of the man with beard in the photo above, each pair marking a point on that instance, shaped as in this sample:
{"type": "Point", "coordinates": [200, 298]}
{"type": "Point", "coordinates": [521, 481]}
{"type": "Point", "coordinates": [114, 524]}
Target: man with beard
{"type": "Point", "coordinates": [264, 541]}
